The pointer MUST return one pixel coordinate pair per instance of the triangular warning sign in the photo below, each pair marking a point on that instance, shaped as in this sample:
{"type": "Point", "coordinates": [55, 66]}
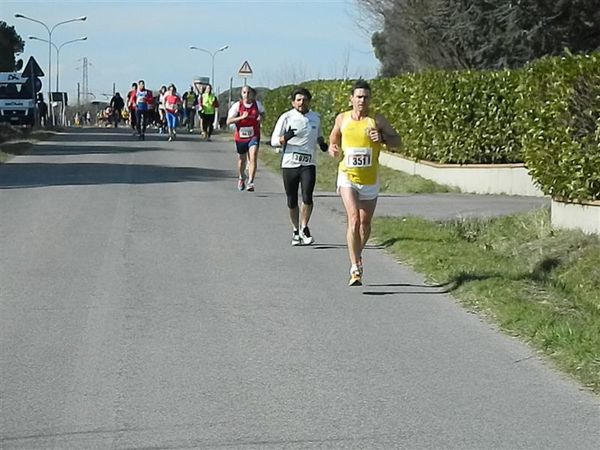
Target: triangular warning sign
{"type": "Point", "coordinates": [32, 67]}
{"type": "Point", "coordinates": [245, 69]}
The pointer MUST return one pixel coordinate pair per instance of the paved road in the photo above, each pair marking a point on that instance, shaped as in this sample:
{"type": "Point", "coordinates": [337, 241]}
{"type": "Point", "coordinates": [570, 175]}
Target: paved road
{"type": "Point", "coordinates": [145, 303]}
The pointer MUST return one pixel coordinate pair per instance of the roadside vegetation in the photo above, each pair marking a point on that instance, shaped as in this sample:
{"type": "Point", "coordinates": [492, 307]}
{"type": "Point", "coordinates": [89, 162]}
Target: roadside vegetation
{"type": "Point", "coordinates": [16, 140]}
{"type": "Point", "coordinates": [534, 282]}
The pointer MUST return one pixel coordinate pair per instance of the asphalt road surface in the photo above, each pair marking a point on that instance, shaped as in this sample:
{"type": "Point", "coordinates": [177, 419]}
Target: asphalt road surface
{"type": "Point", "coordinates": [146, 303]}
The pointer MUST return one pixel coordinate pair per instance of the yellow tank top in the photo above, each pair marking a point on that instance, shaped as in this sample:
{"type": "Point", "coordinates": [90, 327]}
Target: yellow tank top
{"type": "Point", "coordinates": [360, 155]}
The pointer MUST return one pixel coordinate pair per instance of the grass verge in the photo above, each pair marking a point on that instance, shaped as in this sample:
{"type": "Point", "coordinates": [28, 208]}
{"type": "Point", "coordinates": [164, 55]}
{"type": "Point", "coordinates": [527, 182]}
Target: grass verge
{"type": "Point", "coordinates": [537, 283]}
{"type": "Point", "coordinates": [16, 140]}
{"type": "Point", "coordinates": [392, 181]}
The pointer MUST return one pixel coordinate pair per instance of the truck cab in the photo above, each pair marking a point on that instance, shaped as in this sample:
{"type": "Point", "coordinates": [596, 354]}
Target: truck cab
{"type": "Point", "coordinates": [17, 106]}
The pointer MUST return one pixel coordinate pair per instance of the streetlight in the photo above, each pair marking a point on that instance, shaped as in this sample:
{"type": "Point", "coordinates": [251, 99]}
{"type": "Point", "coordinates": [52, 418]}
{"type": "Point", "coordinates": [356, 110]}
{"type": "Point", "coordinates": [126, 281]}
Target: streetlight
{"type": "Point", "coordinates": [50, 30]}
{"type": "Point", "coordinates": [212, 54]}
{"type": "Point", "coordinates": [83, 38]}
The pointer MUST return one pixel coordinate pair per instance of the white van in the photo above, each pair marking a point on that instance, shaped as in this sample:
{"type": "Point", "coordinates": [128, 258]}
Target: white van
{"type": "Point", "coordinates": [16, 102]}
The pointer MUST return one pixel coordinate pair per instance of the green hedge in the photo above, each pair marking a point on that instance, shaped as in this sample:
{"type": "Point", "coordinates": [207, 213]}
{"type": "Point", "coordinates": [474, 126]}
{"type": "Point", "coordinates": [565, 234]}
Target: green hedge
{"type": "Point", "coordinates": [560, 125]}
{"type": "Point", "coordinates": [546, 115]}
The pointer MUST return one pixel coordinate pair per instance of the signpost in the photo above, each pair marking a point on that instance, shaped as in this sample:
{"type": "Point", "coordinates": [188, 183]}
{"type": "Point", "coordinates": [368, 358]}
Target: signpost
{"type": "Point", "coordinates": [245, 71]}
{"type": "Point", "coordinates": [33, 71]}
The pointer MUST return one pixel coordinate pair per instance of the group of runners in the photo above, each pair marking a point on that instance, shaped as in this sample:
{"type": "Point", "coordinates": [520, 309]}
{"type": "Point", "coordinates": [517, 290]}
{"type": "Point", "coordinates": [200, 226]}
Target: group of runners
{"type": "Point", "coordinates": [357, 137]}
{"type": "Point", "coordinates": [168, 109]}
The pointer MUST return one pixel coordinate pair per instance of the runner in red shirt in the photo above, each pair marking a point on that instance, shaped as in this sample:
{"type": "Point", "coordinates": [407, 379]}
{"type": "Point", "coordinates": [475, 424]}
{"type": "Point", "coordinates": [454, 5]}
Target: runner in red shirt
{"type": "Point", "coordinates": [131, 107]}
{"type": "Point", "coordinates": [246, 115]}
{"type": "Point", "coordinates": [172, 103]}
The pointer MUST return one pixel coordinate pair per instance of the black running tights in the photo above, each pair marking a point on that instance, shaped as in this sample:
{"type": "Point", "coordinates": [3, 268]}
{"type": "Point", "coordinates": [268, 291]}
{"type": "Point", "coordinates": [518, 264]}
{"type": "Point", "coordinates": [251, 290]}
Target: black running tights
{"type": "Point", "coordinates": [304, 176]}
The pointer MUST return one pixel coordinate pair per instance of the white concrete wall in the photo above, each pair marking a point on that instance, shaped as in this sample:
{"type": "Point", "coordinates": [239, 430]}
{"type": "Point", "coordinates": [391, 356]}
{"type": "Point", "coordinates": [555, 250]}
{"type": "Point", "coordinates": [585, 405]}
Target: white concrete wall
{"type": "Point", "coordinates": [575, 216]}
{"type": "Point", "coordinates": [511, 179]}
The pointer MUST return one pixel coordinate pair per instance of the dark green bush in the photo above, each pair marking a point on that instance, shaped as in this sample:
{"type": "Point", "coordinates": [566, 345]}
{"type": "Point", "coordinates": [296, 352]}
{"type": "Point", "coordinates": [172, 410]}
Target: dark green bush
{"type": "Point", "coordinates": [547, 114]}
{"type": "Point", "coordinates": [560, 125]}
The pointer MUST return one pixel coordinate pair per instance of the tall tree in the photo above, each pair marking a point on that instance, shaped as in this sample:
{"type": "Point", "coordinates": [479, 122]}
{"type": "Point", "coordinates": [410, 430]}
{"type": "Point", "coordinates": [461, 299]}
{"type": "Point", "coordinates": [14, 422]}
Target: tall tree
{"type": "Point", "coordinates": [10, 44]}
{"type": "Point", "coordinates": [420, 34]}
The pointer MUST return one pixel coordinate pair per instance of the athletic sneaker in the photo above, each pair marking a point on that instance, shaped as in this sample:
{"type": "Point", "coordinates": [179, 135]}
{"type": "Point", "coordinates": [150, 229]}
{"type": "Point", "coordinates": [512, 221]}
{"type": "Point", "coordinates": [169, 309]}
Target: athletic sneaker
{"type": "Point", "coordinates": [170, 138]}
{"type": "Point", "coordinates": [241, 185]}
{"type": "Point", "coordinates": [307, 239]}
{"type": "Point", "coordinates": [250, 187]}
{"type": "Point", "coordinates": [355, 277]}
{"type": "Point", "coordinates": [296, 238]}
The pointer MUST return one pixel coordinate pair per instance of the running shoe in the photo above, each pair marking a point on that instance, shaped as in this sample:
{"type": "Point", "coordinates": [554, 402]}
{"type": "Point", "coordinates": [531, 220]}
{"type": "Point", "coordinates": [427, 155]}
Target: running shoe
{"type": "Point", "coordinates": [241, 185]}
{"type": "Point", "coordinates": [170, 138]}
{"type": "Point", "coordinates": [296, 238]}
{"type": "Point", "coordinates": [250, 187]}
{"type": "Point", "coordinates": [307, 239]}
{"type": "Point", "coordinates": [360, 266]}
{"type": "Point", "coordinates": [355, 277]}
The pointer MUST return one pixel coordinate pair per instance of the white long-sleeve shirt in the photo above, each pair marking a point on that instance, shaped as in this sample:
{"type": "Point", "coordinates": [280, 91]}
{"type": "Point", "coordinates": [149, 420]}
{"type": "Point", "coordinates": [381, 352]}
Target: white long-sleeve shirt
{"type": "Point", "coordinates": [300, 149]}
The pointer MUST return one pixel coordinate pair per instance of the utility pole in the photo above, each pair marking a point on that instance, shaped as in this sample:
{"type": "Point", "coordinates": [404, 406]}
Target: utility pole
{"type": "Point", "coordinates": [78, 94]}
{"type": "Point", "coordinates": [85, 80]}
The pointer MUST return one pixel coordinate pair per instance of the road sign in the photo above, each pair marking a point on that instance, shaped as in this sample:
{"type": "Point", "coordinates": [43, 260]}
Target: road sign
{"type": "Point", "coordinates": [245, 71]}
{"type": "Point", "coordinates": [32, 68]}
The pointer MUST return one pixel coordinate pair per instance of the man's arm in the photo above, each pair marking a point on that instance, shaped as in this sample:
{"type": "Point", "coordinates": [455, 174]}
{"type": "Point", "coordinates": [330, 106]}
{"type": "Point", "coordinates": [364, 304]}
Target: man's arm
{"type": "Point", "coordinates": [389, 136]}
{"type": "Point", "coordinates": [233, 114]}
{"type": "Point", "coordinates": [335, 137]}
{"type": "Point", "coordinates": [277, 136]}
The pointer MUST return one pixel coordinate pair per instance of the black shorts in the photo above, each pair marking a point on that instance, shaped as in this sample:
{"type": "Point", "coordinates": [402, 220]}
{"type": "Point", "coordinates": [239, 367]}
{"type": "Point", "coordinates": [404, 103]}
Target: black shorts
{"type": "Point", "coordinates": [243, 147]}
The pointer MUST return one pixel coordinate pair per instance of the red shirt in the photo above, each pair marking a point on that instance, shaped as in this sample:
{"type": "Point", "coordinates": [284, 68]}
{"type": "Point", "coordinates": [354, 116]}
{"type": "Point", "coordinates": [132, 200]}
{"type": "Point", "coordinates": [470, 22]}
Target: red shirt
{"type": "Point", "coordinates": [171, 102]}
{"type": "Point", "coordinates": [249, 128]}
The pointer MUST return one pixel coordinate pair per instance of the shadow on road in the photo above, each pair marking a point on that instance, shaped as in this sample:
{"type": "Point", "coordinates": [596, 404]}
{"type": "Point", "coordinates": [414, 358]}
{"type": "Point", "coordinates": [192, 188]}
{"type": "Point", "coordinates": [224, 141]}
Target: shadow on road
{"type": "Point", "coordinates": [27, 175]}
{"type": "Point", "coordinates": [60, 149]}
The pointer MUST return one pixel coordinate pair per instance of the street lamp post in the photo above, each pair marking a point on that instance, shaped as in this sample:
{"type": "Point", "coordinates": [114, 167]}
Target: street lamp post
{"type": "Point", "coordinates": [212, 70]}
{"type": "Point", "coordinates": [50, 30]}
{"type": "Point", "coordinates": [212, 54]}
{"type": "Point", "coordinates": [83, 38]}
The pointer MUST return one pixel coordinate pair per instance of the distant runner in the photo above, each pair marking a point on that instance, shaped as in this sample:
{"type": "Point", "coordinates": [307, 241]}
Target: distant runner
{"type": "Point", "coordinates": [246, 115]}
{"type": "Point", "coordinates": [190, 101]}
{"type": "Point", "coordinates": [172, 105]}
{"type": "Point", "coordinates": [360, 135]}
{"type": "Point", "coordinates": [143, 102]}
{"type": "Point", "coordinates": [117, 104]}
{"type": "Point", "coordinates": [208, 106]}
{"type": "Point", "coordinates": [298, 131]}
{"type": "Point", "coordinates": [131, 107]}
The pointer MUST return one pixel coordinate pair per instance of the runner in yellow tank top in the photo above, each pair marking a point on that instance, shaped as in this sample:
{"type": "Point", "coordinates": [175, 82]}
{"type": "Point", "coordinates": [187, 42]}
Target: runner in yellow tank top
{"type": "Point", "coordinates": [359, 136]}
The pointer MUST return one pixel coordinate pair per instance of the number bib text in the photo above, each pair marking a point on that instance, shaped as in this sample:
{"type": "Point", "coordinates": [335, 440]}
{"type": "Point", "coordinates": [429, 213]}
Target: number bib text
{"type": "Point", "coordinates": [358, 157]}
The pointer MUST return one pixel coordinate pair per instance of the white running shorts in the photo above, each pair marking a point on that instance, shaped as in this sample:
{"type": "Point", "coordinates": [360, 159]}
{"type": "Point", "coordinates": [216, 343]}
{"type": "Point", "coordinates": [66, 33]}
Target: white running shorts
{"type": "Point", "coordinates": [365, 191]}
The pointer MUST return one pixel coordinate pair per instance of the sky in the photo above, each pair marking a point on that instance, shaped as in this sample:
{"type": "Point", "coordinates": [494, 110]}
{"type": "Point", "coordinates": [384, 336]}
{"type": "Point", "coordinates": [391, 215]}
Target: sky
{"type": "Point", "coordinates": [284, 41]}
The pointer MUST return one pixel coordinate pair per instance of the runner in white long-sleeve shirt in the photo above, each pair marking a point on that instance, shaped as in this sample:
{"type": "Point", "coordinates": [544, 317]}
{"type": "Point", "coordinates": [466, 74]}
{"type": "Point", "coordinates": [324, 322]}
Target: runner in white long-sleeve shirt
{"type": "Point", "coordinates": [298, 131]}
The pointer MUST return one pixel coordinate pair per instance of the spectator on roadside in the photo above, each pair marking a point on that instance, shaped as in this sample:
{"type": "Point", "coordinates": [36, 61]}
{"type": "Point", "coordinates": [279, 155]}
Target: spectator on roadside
{"type": "Point", "coordinates": [42, 107]}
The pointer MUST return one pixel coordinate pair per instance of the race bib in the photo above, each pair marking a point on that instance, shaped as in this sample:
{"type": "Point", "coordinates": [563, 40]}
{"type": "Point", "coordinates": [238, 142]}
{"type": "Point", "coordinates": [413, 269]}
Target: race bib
{"type": "Point", "coordinates": [301, 158]}
{"type": "Point", "coordinates": [358, 157]}
{"type": "Point", "coordinates": [246, 132]}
